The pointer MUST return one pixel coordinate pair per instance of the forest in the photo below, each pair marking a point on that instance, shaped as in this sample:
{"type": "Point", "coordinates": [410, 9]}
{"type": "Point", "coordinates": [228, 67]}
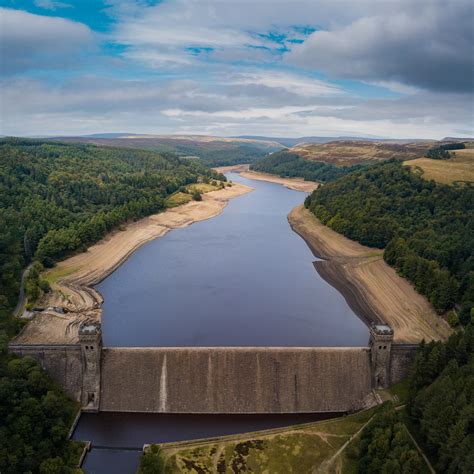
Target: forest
{"type": "Point", "coordinates": [35, 417]}
{"type": "Point", "coordinates": [439, 412]}
{"type": "Point", "coordinates": [426, 229]}
{"type": "Point", "coordinates": [59, 198]}
{"type": "Point", "coordinates": [442, 152]}
{"type": "Point", "coordinates": [441, 401]}
{"type": "Point", "coordinates": [288, 165]}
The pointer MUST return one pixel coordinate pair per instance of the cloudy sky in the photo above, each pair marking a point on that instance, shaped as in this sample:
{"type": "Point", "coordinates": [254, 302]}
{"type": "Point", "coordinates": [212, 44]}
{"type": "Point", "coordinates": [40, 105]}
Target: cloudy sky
{"type": "Point", "coordinates": [399, 69]}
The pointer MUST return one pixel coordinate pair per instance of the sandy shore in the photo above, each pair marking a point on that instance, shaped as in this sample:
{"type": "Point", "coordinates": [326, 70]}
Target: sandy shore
{"type": "Point", "coordinates": [72, 280]}
{"type": "Point", "coordinates": [372, 288]}
{"type": "Point", "coordinates": [298, 184]}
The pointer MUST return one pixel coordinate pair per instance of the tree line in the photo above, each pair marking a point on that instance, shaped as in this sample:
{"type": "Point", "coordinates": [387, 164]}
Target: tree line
{"type": "Point", "coordinates": [35, 417]}
{"type": "Point", "coordinates": [59, 198]}
{"type": "Point", "coordinates": [439, 412]}
{"type": "Point", "coordinates": [442, 152]}
{"type": "Point", "coordinates": [289, 165]}
{"type": "Point", "coordinates": [56, 199]}
{"type": "Point", "coordinates": [426, 228]}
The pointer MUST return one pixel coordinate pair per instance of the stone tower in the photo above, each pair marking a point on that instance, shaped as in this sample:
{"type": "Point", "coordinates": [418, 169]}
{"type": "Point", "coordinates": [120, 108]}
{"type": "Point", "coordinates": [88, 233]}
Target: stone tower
{"type": "Point", "coordinates": [90, 338]}
{"type": "Point", "coordinates": [380, 344]}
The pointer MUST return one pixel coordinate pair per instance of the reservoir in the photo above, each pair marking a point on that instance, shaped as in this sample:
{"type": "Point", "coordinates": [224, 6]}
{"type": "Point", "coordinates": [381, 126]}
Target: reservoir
{"type": "Point", "coordinates": [243, 278]}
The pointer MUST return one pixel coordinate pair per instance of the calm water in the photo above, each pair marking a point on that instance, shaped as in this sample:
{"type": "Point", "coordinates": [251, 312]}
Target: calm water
{"type": "Point", "coordinates": [243, 278]}
{"type": "Point", "coordinates": [118, 438]}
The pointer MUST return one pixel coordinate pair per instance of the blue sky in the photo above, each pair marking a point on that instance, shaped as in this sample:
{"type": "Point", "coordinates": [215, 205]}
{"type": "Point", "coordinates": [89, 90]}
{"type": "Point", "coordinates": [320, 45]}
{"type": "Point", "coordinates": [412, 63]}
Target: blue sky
{"type": "Point", "coordinates": [398, 69]}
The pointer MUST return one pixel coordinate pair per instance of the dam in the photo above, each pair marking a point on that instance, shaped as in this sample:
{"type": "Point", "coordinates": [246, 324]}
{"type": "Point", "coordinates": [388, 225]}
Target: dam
{"type": "Point", "coordinates": [237, 380]}
{"type": "Point", "coordinates": [222, 318]}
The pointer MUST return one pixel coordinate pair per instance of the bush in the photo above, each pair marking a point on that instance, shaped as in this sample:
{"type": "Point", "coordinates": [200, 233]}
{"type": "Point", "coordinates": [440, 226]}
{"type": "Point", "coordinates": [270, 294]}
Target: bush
{"type": "Point", "coordinates": [152, 462]}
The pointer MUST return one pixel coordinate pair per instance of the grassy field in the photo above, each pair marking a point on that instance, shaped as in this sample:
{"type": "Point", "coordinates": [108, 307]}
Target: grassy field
{"type": "Point", "coordinates": [459, 169]}
{"type": "Point", "coordinates": [53, 275]}
{"type": "Point", "coordinates": [302, 449]}
{"type": "Point", "coordinates": [179, 198]}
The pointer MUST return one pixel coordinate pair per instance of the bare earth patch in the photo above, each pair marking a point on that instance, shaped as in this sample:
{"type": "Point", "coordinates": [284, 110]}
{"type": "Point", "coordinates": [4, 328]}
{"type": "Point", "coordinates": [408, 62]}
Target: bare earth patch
{"type": "Point", "coordinates": [372, 288]}
{"type": "Point", "coordinates": [72, 279]}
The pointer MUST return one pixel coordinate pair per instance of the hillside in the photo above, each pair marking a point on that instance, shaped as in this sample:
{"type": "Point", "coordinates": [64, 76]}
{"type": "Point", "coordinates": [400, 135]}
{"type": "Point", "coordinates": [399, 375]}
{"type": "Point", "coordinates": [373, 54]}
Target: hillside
{"type": "Point", "coordinates": [213, 151]}
{"type": "Point", "coordinates": [425, 228]}
{"type": "Point", "coordinates": [58, 198]}
{"type": "Point", "coordinates": [287, 164]}
{"type": "Point", "coordinates": [458, 169]}
{"type": "Point", "coordinates": [348, 153]}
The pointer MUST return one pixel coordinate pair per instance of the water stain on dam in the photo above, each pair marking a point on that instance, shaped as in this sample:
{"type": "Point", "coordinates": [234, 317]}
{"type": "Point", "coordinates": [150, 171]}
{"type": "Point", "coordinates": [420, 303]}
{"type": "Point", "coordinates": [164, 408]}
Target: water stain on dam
{"type": "Point", "coordinates": [243, 278]}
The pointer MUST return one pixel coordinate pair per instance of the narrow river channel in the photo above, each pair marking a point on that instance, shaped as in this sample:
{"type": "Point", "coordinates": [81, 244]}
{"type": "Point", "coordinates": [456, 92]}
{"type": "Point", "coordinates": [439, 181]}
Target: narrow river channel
{"type": "Point", "coordinates": [243, 278]}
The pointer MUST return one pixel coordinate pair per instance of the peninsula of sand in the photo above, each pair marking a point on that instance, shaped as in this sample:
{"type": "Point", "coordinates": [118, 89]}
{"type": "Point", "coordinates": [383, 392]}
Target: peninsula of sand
{"type": "Point", "coordinates": [74, 299]}
{"type": "Point", "coordinates": [373, 289]}
{"type": "Point", "coordinates": [298, 184]}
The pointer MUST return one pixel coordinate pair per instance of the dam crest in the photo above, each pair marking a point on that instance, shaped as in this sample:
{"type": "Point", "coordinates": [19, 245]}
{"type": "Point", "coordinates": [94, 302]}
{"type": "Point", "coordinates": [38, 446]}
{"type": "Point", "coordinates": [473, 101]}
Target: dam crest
{"type": "Point", "coordinates": [227, 380]}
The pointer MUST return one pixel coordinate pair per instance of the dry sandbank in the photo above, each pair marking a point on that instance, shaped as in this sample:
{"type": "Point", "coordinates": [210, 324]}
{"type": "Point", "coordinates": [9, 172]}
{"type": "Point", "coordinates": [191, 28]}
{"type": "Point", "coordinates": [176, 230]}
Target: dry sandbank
{"type": "Point", "coordinates": [73, 278]}
{"type": "Point", "coordinates": [372, 288]}
{"type": "Point", "coordinates": [298, 184]}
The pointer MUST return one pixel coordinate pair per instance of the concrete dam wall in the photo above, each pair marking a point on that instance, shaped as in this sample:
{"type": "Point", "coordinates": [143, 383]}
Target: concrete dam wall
{"type": "Point", "coordinates": [62, 363]}
{"type": "Point", "coordinates": [222, 379]}
{"type": "Point", "coordinates": [235, 380]}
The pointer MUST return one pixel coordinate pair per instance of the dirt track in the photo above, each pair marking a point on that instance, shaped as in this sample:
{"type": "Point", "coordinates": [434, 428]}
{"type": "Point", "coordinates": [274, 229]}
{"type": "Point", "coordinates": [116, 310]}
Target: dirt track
{"type": "Point", "coordinates": [371, 287]}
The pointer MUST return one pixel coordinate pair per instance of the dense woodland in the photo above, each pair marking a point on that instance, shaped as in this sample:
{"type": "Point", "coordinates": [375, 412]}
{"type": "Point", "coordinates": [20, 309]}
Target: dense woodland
{"type": "Point", "coordinates": [441, 401]}
{"type": "Point", "coordinates": [290, 165]}
{"type": "Point", "coordinates": [439, 413]}
{"type": "Point", "coordinates": [59, 198]}
{"type": "Point", "coordinates": [35, 417]}
{"type": "Point", "coordinates": [427, 229]}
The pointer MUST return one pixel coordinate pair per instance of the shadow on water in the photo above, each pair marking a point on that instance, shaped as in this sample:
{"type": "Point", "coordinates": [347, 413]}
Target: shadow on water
{"type": "Point", "coordinates": [117, 438]}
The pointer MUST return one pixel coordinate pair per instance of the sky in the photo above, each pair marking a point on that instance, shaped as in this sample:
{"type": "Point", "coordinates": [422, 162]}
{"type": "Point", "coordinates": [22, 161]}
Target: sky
{"type": "Point", "coordinates": [378, 68]}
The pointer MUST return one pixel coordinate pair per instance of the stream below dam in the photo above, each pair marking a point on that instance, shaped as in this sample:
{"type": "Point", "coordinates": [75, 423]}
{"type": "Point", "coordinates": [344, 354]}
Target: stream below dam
{"type": "Point", "coordinates": [243, 278]}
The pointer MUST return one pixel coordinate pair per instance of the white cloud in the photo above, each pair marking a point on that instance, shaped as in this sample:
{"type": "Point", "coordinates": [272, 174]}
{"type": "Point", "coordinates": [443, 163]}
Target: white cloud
{"type": "Point", "coordinates": [51, 4]}
{"type": "Point", "coordinates": [95, 104]}
{"type": "Point", "coordinates": [291, 82]}
{"type": "Point", "coordinates": [30, 41]}
{"type": "Point", "coordinates": [432, 49]}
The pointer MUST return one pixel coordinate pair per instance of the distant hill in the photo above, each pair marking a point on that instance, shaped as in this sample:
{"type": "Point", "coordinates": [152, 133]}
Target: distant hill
{"type": "Point", "coordinates": [213, 151]}
{"type": "Point", "coordinates": [292, 141]}
{"type": "Point", "coordinates": [352, 152]}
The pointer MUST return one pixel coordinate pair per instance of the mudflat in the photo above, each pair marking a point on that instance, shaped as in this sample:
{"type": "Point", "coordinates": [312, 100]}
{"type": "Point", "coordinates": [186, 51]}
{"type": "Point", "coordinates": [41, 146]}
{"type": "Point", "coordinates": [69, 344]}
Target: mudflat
{"type": "Point", "coordinates": [372, 288]}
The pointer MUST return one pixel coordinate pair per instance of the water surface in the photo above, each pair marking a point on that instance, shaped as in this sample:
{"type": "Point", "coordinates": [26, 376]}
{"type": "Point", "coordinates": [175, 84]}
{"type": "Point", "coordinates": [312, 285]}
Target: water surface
{"type": "Point", "coordinates": [118, 438]}
{"type": "Point", "coordinates": [243, 278]}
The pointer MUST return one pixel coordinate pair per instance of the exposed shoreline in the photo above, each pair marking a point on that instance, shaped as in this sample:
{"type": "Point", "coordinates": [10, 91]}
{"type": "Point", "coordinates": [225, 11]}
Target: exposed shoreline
{"type": "Point", "coordinates": [297, 184]}
{"type": "Point", "coordinates": [373, 289]}
{"type": "Point", "coordinates": [72, 280]}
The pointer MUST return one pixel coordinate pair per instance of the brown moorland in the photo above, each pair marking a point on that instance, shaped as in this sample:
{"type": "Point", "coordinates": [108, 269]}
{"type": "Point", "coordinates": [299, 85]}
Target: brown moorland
{"type": "Point", "coordinates": [458, 169]}
{"type": "Point", "coordinates": [347, 153]}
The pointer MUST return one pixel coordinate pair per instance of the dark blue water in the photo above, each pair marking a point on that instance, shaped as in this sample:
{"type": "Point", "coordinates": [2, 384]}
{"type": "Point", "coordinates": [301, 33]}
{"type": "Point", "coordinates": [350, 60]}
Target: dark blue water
{"type": "Point", "coordinates": [243, 278]}
{"type": "Point", "coordinates": [118, 438]}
